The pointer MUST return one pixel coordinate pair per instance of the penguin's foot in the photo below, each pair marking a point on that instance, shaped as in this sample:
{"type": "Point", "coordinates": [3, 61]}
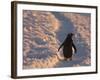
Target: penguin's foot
{"type": "Point", "coordinates": [70, 59]}
{"type": "Point", "coordinates": [65, 59]}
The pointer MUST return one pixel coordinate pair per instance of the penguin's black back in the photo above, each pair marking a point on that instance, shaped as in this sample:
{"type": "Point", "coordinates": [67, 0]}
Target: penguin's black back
{"type": "Point", "coordinates": [67, 47]}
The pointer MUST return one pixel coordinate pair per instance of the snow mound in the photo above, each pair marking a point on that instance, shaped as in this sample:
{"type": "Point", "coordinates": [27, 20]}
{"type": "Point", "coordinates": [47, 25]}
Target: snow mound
{"type": "Point", "coordinates": [40, 43]}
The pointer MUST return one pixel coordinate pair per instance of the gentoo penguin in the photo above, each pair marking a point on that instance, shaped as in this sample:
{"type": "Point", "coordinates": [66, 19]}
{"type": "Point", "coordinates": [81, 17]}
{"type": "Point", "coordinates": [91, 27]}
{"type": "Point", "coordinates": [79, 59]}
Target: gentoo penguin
{"type": "Point", "coordinates": [68, 47]}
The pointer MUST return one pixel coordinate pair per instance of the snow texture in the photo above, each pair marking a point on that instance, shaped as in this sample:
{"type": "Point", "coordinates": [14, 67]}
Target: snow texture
{"type": "Point", "coordinates": [44, 32]}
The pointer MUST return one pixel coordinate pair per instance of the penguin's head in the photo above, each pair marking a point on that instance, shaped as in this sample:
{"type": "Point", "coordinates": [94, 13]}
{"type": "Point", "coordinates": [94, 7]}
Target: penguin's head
{"type": "Point", "coordinates": [71, 34]}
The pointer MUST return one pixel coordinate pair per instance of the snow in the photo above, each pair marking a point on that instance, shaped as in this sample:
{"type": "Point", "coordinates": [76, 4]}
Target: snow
{"type": "Point", "coordinates": [45, 31]}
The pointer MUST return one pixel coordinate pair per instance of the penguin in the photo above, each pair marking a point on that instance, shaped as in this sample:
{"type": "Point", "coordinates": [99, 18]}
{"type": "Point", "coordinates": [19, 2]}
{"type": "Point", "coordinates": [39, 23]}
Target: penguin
{"type": "Point", "coordinates": [68, 47]}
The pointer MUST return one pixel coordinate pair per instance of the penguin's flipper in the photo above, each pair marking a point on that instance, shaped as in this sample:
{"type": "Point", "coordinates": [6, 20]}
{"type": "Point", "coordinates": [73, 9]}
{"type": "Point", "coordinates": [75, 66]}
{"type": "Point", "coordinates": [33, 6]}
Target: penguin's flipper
{"type": "Point", "coordinates": [59, 56]}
